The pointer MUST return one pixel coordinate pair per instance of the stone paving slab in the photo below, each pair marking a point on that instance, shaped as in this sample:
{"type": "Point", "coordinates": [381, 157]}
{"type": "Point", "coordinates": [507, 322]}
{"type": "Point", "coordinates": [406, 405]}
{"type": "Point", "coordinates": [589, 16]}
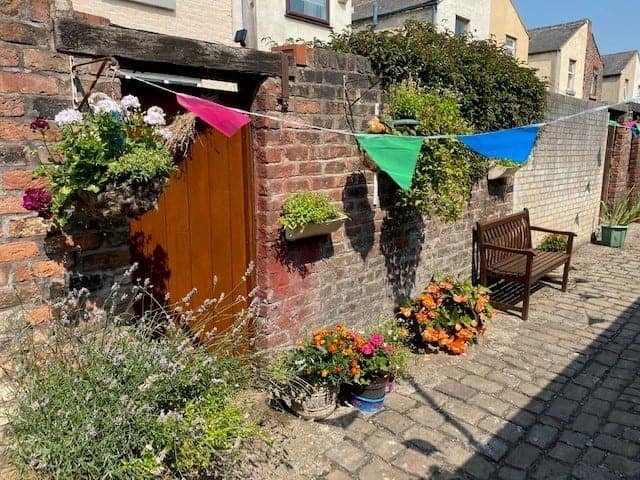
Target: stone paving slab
{"type": "Point", "coordinates": [555, 397]}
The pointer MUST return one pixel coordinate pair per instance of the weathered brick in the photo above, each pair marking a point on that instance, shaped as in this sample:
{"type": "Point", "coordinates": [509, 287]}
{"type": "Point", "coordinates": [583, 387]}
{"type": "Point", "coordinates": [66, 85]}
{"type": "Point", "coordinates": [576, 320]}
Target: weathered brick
{"type": "Point", "coordinates": [27, 227]}
{"type": "Point", "coordinates": [11, 106]}
{"type": "Point", "coordinates": [59, 244]}
{"type": "Point", "coordinates": [19, 32]}
{"type": "Point", "coordinates": [21, 179]}
{"type": "Point", "coordinates": [11, 8]}
{"type": "Point", "coordinates": [106, 260]}
{"type": "Point", "coordinates": [37, 59]}
{"type": "Point", "coordinates": [11, 82]}
{"type": "Point", "coordinates": [43, 269]}
{"type": "Point", "coordinates": [10, 252]}
{"type": "Point", "coordinates": [9, 56]}
{"type": "Point", "coordinates": [11, 205]}
{"type": "Point", "coordinates": [91, 19]}
{"type": "Point", "coordinates": [38, 10]}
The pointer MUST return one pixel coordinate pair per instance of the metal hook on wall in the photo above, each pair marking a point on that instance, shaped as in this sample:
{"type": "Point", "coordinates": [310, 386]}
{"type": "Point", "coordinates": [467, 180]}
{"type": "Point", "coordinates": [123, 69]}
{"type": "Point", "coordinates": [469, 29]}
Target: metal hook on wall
{"type": "Point", "coordinates": [106, 61]}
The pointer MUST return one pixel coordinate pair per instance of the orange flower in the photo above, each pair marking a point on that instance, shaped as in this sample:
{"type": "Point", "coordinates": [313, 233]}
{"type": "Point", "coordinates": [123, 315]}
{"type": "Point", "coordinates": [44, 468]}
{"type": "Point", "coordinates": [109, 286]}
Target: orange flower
{"type": "Point", "coordinates": [458, 346]}
{"type": "Point", "coordinates": [355, 371]}
{"type": "Point", "coordinates": [348, 351]}
{"type": "Point", "coordinates": [324, 373]}
{"type": "Point", "coordinates": [405, 311]}
{"type": "Point", "coordinates": [433, 288]}
{"type": "Point", "coordinates": [460, 299]}
{"type": "Point", "coordinates": [465, 335]}
{"type": "Point", "coordinates": [428, 301]}
{"type": "Point", "coordinates": [333, 348]}
{"type": "Point", "coordinates": [317, 341]}
{"type": "Point", "coordinates": [422, 318]}
{"type": "Point", "coordinates": [432, 314]}
{"type": "Point", "coordinates": [446, 285]}
{"type": "Point", "coordinates": [430, 335]}
{"type": "Point", "coordinates": [338, 369]}
{"type": "Point", "coordinates": [444, 339]}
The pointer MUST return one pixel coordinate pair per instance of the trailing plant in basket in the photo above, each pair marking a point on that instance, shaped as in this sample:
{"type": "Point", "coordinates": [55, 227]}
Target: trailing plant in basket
{"type": "Point", "coordinates": [304, 208]}
{"type": "Point", "coordinates": [449, 315]}
{"type": "Point", "coordinates": [110, 162]}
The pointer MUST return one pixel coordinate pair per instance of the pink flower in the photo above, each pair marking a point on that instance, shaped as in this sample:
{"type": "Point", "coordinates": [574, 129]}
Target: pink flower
{"type": "Point", "coordinates": [376, 339]}
{"type": "Point", "coordinates": [367, 349]}
{"type": "Point", "coordinates": [38, 200]}
{"type": "Point", "coordinates": [389, 348]}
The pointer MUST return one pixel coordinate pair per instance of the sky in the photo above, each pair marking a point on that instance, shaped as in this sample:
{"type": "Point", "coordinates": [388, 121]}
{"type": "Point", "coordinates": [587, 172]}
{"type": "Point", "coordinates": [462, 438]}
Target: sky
{"type": "Point", "coordinates": [615, 22]}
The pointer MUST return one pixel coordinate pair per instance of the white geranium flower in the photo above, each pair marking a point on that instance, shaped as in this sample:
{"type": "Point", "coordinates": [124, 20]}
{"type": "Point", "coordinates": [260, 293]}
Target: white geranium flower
{"type": "Point", "coordinates": [164, 133]}
{"type": "Point", "coordinates": [106, 106]}
{"type": "Point", "coordinates": [154, 116]}
{"type": "Point", "coordinates": [97, 97]}
{"type": "Point", "coordinates": [130, 102]}
{"type": "Point", "coordinates": [68, 117]}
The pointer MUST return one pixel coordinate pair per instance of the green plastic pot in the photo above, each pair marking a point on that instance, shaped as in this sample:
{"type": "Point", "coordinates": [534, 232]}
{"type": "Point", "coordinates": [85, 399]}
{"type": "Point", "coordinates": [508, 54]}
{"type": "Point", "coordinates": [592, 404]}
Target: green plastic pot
{"type": "Point", "coordinates": [614, 235]}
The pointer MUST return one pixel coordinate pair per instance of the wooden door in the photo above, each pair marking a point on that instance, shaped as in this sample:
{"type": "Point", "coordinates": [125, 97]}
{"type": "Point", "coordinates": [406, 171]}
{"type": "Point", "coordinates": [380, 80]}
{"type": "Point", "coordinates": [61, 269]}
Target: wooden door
{"type": "Point", "coordinates": [204, 225]}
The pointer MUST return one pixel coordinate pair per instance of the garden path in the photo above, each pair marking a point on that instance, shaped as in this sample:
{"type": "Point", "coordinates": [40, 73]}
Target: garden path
{"type": "Point", "coordinates": [555, 397]}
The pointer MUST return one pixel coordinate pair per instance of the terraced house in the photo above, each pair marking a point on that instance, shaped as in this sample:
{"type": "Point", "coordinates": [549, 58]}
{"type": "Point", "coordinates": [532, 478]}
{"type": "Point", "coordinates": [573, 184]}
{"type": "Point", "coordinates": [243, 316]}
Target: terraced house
{"type": "Point", "coordinates": [256, 24]}
{"type": "Point", "coordinates": [567, 57]}
{"type": "Point", "coordinates": [621, 76]}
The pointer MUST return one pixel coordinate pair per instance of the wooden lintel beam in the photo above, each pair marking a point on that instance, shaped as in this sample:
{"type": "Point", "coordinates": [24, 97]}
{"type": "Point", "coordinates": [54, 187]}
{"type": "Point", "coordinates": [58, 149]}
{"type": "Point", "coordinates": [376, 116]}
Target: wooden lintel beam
{"type": "Point", "coordinates": [75, 37]}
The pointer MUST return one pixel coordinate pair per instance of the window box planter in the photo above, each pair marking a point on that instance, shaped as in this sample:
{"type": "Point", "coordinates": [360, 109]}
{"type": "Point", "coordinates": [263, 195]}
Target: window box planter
{"type": "Point", "coordinates": [500, 171]}
{"type": "Point", "coordinates": [314, 229]}
{"type": "Point", "coordinates": [614, 235]}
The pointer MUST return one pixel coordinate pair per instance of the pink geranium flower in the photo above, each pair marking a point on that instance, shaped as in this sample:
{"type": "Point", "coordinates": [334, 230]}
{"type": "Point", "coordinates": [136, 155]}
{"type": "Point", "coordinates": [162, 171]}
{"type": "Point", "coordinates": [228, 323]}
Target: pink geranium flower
{"type": "Point", "coordinates": [376, 339]}
{"type": "Point", "coordinates": [367, 349]}
{"type": "Point", "coordinates": [389, 348]}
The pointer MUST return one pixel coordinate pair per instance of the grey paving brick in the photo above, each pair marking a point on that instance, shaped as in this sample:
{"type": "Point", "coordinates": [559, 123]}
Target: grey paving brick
{"type": "Point", "coordinates": [565, 453]}
{"type": "Point", "coordinates": [393, 421]}
{"type": "Point", "coordinates": [523, 456]}
{"type": "Point", "coordinates": [347, 455]}
{"type": "Point", "coordinates": [455, 389]}
{"type": "Point", "coordinates": [542, 436]}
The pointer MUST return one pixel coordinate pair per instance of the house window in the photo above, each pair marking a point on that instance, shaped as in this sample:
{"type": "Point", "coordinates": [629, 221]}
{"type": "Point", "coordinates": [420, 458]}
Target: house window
{"type": "Point", "coordinates": [595, 76]}
{"type": "Point", "coordinates": [462, 26]}
{"type": "Point", "coordinates": [510, 45]}
{"type": "Point", "coordinates": [310, 10]}
{"type": "Point", "coordinates": [571, 80]}
{"type": "Point", "coordinates": [168, 4]}
{"type": "Point", "coordinates": [625, 94]}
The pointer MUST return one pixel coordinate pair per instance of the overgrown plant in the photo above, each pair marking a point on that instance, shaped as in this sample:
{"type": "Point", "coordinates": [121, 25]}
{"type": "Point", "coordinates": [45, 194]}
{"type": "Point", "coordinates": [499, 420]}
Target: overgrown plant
{"type": "Point", "coordinates": [624, 211]}
{"type": "Point", "coordinates": [102, 393]}
{"type": "Point", "coordinates": [496, 91]}
{"type": "Point", "coordinates": [553, 243]}
{"type": "Point", "coordinates": [105, 156]}
{"type": "Point", "coordinates": [303, 208]}
{"type": "Point", "coordinates": [446, 169]}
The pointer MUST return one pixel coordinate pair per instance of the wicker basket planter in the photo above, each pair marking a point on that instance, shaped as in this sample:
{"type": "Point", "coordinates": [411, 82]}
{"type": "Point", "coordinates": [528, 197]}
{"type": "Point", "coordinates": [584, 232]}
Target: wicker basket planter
{"type": "Point", "coordinates": [314, 229]}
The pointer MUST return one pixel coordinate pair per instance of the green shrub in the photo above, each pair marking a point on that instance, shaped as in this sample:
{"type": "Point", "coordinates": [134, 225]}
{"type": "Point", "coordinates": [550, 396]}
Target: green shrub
{"type": "Point", "coordinates": [141, 165]}
{"type": "Point", "coordinates": [446, 169]}
{"type": "Point", "coordinates": [106, 395]}
{"type": "Point", "coordinates": [553, 243]}
{"type": "Point", "coordinates": [306, 207]}
{"type": "Point", "coordinates": [496, 91]}
{"type": "Point", "coordinates": [622, 212]}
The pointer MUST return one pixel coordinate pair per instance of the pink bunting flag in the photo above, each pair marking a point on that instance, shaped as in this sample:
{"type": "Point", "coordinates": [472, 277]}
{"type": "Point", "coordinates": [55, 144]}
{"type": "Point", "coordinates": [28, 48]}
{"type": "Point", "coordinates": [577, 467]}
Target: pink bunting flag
{"type": "Point", "coordinates": [223, 119]}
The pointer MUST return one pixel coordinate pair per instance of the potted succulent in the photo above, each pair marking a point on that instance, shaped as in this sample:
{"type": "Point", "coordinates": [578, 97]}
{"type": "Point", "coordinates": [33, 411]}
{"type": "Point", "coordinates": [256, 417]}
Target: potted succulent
{"type": "Point", "coordinates": [307, 214]}
{"type": "Point", "coordinates": [502, 168]}
{"type": "Point", "coordinates": [111, 163]}
{"type": "Point", "coordinates": [449, 315]}
{"type": "Point", "coordinates": [370, 370]}
{"type": "Point", "coordinates": [308, 378]}
{"type": "Point", "coordinates": [616, 219]}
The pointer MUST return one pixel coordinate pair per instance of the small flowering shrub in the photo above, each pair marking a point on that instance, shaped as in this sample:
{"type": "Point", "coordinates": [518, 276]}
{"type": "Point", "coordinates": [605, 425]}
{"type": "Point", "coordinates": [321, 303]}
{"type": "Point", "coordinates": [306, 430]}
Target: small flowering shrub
{"type": "Point", "coordinates": [107, 158]}
{"type": "Point", "coordinates": [102, 394]}
{"type": "Point", "coordinates": [449, 315]}
{"type": "Point", "coordinates": [374, 361]}
{"type": "Point", "coordinates": [553, 243]}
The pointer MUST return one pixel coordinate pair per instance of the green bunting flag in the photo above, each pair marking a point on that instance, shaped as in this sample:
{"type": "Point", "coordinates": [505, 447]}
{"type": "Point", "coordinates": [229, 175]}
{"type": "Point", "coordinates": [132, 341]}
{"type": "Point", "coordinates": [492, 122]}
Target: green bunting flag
{"type": "Point", "coordinates": [613, 123]}
{"type": "Point", "coordinates": [395, 155]}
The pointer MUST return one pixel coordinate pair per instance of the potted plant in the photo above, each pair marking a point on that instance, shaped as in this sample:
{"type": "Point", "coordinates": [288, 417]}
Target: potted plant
{"type": "Point", "coordinates": [397, 336]}
{"type": "Point", "coordinates": [370, 370]}
{"type": "Point", "coordinates": [308, 378]}
{"type": "Point", "coordinates": [449, 315]}
{"type": "Point", "coordinates": [111, 163]}
{"type": "Point", "coordinates": [616, 219]}
{"type": "Point", "coordinates": [307, 214]}
{"type": "Point", "coordinates": [502, 168]}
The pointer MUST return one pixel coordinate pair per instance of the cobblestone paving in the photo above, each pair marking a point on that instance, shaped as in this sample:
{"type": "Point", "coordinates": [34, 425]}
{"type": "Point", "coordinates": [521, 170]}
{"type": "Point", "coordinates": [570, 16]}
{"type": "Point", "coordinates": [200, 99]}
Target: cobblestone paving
{"type": "Point", "coordinates": [555, 397]}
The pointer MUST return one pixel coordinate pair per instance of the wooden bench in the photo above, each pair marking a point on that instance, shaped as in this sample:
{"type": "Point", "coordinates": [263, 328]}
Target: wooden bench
{"type": "Point", "coordinates": [505, 253]}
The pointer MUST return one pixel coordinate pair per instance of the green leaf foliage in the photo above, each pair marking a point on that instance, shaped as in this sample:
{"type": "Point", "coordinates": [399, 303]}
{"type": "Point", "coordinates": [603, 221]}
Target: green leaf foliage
{"type": "Point", "coordinates": [303, 208]}
{"type": "Point", "coordinates": [622, 212]}
{"type": "Point", "coordinates": [495, 90]}
{"type": "Point", "coordinates": [553, 243]}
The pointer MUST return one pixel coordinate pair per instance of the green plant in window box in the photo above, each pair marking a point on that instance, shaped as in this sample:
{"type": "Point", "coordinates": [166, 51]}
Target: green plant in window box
{"type": "Point", "coordinates": [307, 214]}
{"type": "Point", "coordinates": [553, 243]}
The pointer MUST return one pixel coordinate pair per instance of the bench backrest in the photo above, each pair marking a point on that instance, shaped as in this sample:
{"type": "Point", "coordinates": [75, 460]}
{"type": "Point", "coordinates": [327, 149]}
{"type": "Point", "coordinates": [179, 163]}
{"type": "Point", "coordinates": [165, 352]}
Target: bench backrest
{"type": "Point", "coordinates": [512, 231]}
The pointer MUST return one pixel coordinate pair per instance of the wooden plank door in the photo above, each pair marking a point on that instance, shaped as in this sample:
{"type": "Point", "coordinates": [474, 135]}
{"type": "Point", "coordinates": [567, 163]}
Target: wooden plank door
{"type": "Point", "coordinates": [204, 225]}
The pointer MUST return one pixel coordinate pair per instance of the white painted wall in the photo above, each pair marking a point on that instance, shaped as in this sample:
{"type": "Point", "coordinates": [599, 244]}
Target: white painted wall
{"type": "Point", "coordinates": [478, 12]}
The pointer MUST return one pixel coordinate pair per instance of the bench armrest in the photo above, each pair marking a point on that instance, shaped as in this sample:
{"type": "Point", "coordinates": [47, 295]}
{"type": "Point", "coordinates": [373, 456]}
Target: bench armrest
{"type": "Point", "coordinates": [548, 230]}
{"type": "Point", "coordinates": [529, 252]}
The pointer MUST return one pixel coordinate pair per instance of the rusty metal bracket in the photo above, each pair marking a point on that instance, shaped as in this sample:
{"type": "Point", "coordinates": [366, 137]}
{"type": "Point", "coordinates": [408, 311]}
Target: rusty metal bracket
{"type": "Point", "coordinates": [284, 80]}
{"type": "Point", "coordinates": [106, 61]}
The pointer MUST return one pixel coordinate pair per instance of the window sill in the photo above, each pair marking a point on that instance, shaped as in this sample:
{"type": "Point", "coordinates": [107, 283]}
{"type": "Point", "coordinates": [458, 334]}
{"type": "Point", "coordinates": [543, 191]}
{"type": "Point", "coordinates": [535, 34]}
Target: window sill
{"type": "Point", "coordinates": [302, 18]}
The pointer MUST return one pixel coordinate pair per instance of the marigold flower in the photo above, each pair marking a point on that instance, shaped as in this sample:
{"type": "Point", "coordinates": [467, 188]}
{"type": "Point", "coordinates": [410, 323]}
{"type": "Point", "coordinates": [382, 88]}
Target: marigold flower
{"type": "Point", "coordinates": [355, 371]}
{"type": "Point", "coordinates": [432, 314]}
{"type": "Point", "coordinates": [405, 312]}
{"type": "Point", "coordinates": [433, 288]}
{"type": "Point", "coordinates": [444, 339]}
{"type": "Point", "coordinates": [422, 318]}
{"type": "Point", "coordinates": [460, 299]}
{"type": "Point", "coordinates": [332, 348]}
{"type": "Point", "coordinates": [430, 335]}
{"type": "Point", "coordinates": [446, 285]}
{"type": "Point", "coordinates": [324, 372]}
{"type": "Point", "coordinates": [428, 300]}
{"type": "Point", "coordinates": [465, 334]}
{"type": "Point", "coordinates": [457, 347]}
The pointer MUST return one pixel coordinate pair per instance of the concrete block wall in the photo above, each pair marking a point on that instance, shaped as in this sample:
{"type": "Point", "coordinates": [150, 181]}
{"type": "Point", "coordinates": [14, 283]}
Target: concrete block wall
{"type": "Point", "coordinates": [561, 184]}
{"type": "Point", "coordinates": [382, 254]}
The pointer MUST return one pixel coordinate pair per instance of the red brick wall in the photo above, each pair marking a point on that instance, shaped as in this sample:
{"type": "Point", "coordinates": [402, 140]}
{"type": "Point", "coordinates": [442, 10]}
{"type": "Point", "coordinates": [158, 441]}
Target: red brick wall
{"type": "Point", "coordinates": [35, 81]}
{"type": "Point", "coordinates": [593, 62]}
{"type": "Point", "coordinates": [620, 162]}
{"type": "Point", "coordinates": [633, 177]}
{"type": "Point", "coordinates": [381, 254]}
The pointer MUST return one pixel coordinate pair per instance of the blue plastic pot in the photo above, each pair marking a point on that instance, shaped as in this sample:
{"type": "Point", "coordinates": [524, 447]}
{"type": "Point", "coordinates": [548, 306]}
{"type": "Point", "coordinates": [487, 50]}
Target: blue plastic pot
{"type": "Point", "coordinates": [367, 405]}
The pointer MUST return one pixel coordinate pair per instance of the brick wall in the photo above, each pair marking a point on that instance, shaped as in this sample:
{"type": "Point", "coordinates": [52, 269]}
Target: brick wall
{"type": "Point", "coordinates": [593, 63]}
{"type": "Point", "coordinates": [633, 182]}
{"type": "Point", "coordinates": [561, 184]}
{"type": "Point", "coordinates": [624, 170]}
{"type": "Point", "coordinates": [381, 255]}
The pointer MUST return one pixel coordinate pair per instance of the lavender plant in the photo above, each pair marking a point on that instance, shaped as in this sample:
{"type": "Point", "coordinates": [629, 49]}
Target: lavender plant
{"type": "Point", "coordinates": [103, 393]}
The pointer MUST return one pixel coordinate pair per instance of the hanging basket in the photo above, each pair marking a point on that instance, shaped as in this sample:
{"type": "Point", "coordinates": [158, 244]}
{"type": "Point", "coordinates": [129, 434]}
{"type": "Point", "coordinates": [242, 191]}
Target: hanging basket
{"type": "Point", "coordinates": [117, 203]}
{"type": "Point", "coordinates": [314, 229]}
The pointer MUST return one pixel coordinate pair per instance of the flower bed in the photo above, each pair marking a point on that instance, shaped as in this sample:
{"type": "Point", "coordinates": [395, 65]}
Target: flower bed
{"type": "Point", "coordinates": [448, 316]}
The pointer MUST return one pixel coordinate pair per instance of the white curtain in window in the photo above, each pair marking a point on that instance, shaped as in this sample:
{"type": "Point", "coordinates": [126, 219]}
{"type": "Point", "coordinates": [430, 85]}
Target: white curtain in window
{"type": "Point", "coordinates": [311, 8]}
